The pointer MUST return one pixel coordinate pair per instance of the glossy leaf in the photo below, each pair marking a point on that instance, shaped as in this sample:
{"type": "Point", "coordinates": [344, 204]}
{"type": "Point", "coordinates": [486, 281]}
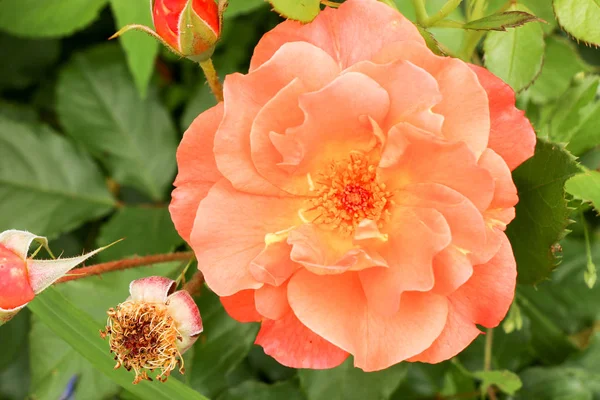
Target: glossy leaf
{"type": "Point", "coordinates": [222, 345]}
{"type": "Point", "coordinates": [579, 18]}
{"type": "Point", "coordinates": [303, 11]}
{"type": "Point", "coordinates": [508, 382]}
{"type": "Point", "coordinates": [55, 18]}
{"type": "Point", "coordinates": [48, 185]}
{"type": "Point", "coordinates": [542, 213]}
{"type": "Point", "coordinates": [349, 383]}
{"type": "Point", "coordinates": [561, 63]}
{"type": "Point", "coordinates": [516, 56]}
{"type": "Point", "coordinates": [140, 49]}
{"type": "Point", "coordinates": [586, 187]}
{"type": "Point", "coordinates": [99, 106]}
{"type": "Point", "coordinates": [559, 383]}
{"type": "Point", "coordinates": [236, 8]}
{"type": "Point", "coordinates": [501, 21]}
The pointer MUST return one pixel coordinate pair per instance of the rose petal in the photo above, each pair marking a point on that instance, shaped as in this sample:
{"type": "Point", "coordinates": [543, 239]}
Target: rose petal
{"type": "Point", "coordinates": [271, 301]}
{"type": "Point", "coordinates": [344, 32]}
{"type": "Point", "coordinates": [334, 307]}
{"type": "Point", "coordinates": [245, 95]}
{"type": "Point", "coordinates": [15, 289]}
{"type": "Point", "coordinates": [451, 268]}
{"type": "Point", "coordinates": [229, 233]}
{"type": "Point", "coordinates": [294, 345]}
{"type": "Point", "coordinates": [487, 296]}
{"type": "Point", "coordinates": [273, 265]}
{"type": "Point", "coordinates": [153, 289]}
{"type": "Point", "coordinates": [241, 306]}
{"type": "Point", "coordinates": [416, 235]}
{"type": "Point", "coordinates": [187, 318]}
{"type": "Point", "coordinates": [511, 135]}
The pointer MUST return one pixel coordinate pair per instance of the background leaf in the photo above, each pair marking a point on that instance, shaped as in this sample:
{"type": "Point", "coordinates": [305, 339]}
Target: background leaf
{"type": "Point", "coordinates": [303, 11]}
{"type": "Point", "coordinates": [516, 56]}
{"type": "Point", "coordinates": [348, 383]}
{"type": "Point", "coordinates": [34, 18]}
{"type": "Point", "coordinates": [586, 187]}
{"type": "Point", "coordinates": [579, 18]}
{"type": "Point", "coordinates": [542, 212]}
{"type": "Point", "coordinates": [100, 107]}
{"type": "Point", "coordinates": [140, 49]}
{"type": "Point", "coordinates": [47, 184]}
{"type": "Point", "coordinates": [259, 391]}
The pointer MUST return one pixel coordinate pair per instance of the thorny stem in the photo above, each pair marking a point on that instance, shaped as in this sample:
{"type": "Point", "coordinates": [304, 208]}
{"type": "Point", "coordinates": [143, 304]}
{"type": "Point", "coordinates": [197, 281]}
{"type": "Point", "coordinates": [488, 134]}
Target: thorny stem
{"type": "Point", "coordinates": [194, 286]}
{"type": "Point", "coordinates": [212, 78]}
{"type": "Point", "coordinates": [421, 12]}
{"type": "Point", "coordinates": [446, 9]}
{"type": "Point", "coordinates": [118, 265]}
{"type": "Point", "coordinates": [487, 358]}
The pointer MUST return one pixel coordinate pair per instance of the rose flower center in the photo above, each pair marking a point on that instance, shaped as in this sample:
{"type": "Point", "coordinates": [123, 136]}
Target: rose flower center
{"type": "Point", "coordinates": [348, 192]}
{"type": "Point", "coordinates": [143, 336]}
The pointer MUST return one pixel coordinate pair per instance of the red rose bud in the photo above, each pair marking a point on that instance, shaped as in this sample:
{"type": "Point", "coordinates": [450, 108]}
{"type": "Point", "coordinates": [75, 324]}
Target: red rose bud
{"type": "Point", "coordinates": [21, 278]}
{"type": "Point", "coordinates": [189, 28]}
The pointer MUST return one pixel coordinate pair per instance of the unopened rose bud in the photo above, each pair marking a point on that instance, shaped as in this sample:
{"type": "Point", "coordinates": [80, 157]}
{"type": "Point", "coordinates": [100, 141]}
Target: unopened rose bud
{"type": "Point", "coordinates": [21, 278]}
{"type": "Point", "coordinates": [153, 328]}
{"type": "Point", "coordinates": [189, 28]}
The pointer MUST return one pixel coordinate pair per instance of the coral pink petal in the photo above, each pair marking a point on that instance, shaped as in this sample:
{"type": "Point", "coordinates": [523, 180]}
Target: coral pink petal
{"type": "Point", "coordinates": [418, 235]}
{"type": "Point", "coordinates": [505, 191]}
{"type": "Point", "coordinates": [451, 268]}
{"type": "Point", "coordinates": [153, 289]}
{"type": "Point", "coordinates": [268, 141]}
{"type": "Point", "coordinates": [294, 345]}
{"type": "Point", "coordinates": [427, 159]}
{"type": "Point", "coordinates": [341, 315]}
{"type": "Point", "coordinates": [512, 135]}
{"type": "Point", "coordinates": [229, 232]}
{"type": "Point", "coordinates": [332, 132]}
{"type": "Point", "coordinates": [187, 318]}
{"type": "Point", "coordinates": [487, 296]}
{"type": "Point", "coordinates": [458, 333]}
{"type": "Point", "coordinates": [464, 102]}
{"type": "Point", "coordinates": [271, 301]}
{"type": "Point", "coordinates": [413, 93]}
{"type": "Point", "coordinates": [241, 306]}
{"type": "Point", "coordinates": [344, 33]}
{"type": "Point", "coordinates": [15, 289]}
{"type": "Point", "coordinates": [197, 169]}
{"type": "Point", "coordinates": [273, 265]}
{"type": "Point", "coordinates": [246, 95]}
{"type": "Point", "coordinates": [467, 225]}
{"type": "Point", "coordinates": [325, 252]}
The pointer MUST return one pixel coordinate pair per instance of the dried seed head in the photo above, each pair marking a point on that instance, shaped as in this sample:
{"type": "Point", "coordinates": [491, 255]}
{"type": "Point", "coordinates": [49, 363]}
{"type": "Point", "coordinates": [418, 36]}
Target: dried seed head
{"type": "Point", "coordinates": [144, 337]}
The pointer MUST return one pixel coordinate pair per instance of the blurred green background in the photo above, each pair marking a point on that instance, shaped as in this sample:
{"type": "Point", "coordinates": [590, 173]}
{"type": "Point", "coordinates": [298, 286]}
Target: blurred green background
{"type": "Point", "coordinates": [88, 133]}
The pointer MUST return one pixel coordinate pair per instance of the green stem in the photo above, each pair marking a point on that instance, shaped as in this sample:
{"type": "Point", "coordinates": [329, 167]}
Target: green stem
{"type": "Point", "coordinates": [450, 6]}
{"type": "Point", "coordinates": [212, 78]}
{"type": "Point", "coordinates": [421, 11]}
{"type": "Point", "coordinates": [487, 355]}
{"type": "Point", "coordinates": [449, 24]}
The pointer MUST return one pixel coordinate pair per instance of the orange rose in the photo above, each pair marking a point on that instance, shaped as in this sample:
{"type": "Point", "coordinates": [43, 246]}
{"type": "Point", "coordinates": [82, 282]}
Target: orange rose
{"type": "Point", "coordinates": [352, 191]}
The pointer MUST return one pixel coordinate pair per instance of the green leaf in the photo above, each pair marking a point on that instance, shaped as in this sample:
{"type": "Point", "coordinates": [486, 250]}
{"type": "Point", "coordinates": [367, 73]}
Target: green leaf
{"type": "Point", "coordinates": [501, 21]}
{"type": "Point", "coordinates": [47, 186]}
{"type": "Point", "coordinates": [558, 383]}
{"type": "Point", "coordinates": [29, 60]}
{"type": "Point", "coordinates": [140, 49]}
{"type": "Point", "coordinates": [579, 18]}
{"type": "Point", "coordinates": [80, 330]}
{"type": "Point", "coordinates": [586, 187]}
{"type": "Point", "coordinates": [56, 18]}
{"type": "Point", "coordinates": [561, 63]}
{"type": "Point", "coordinates": [99, 106]}
{"type": "Point", "coordinates": [12, 337]}
{"type": "Point", "coordinates": [516, 56]}
{"type": "Point", "coordinates": [349, 383]}
{"type": "Point", "coordinates": [14, 380]}
{"type": "Point", "coordinates": [542, 213]}
{"type": "Point", "coordinates": [572, 110]}
{"type": "Point", "coordinates": [223, 344]}
{"type": "Point", "coordinates": [431, 41]}
{"type": "Point", "coordinates": [238, 7]}
{"type": "Point", "coordinates": [201, 100]}
{"type": "Point", "coordinates": [145, 230]}
{"type": "Point", "coordinates": [508, 382]}
{"type": "Point", "coordinates": [252, 390]}
{"type": "Point", "coordinates": [303, 11]}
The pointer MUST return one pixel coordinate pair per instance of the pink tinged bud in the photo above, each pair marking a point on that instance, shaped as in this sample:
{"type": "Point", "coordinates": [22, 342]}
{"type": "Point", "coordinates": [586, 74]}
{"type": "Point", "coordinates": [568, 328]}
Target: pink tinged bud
{"type": "Point", "coordinates": [153, 327]}
{"type": "Point", "coordinates": [21, 278]}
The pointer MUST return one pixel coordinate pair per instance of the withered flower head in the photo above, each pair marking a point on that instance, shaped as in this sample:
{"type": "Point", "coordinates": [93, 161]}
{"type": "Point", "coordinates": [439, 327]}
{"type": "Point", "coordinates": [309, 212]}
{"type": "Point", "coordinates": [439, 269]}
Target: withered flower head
{"type": "Point", "coordinates": [153, 328]}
